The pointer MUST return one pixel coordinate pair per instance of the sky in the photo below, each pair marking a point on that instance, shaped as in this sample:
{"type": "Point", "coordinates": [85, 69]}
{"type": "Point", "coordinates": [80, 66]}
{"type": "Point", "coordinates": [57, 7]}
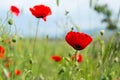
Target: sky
{"type": "Point", "coordinates": [79, 12]}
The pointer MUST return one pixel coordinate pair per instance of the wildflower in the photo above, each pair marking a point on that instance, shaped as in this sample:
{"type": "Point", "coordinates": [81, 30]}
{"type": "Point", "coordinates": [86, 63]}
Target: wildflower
{"type": "Point", "coordinates": [17, 72]}
{"type": "Point", "coordinates": [1, 51]}
{"type": "Point", "coordinates": [14, 10]}
{"type": "Point", "coordinates": [78, 40]}
{"type": "Point", "coordinates": [79, 57]}
{"type": "Point", "coordinates": [41, 11]}
{"type": "Point", "coordinates": [56, 58]}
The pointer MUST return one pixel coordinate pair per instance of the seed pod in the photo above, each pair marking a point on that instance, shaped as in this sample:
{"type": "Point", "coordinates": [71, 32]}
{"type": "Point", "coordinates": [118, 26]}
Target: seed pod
{"type": "Point", "coordinates": [102, 32]}
{"type": "Point", "coordinates": [10, 21]}
{"type": "Point", "coordinates": [62, 70]}
{"type": "Point", "coordinates": [72, 28]}
{"type": "Point", "coordinates": [116, 60]}
{"type": "Point", "coordinates": [30, 61]}
{"type": "Point", "coordinates": [14, 38]}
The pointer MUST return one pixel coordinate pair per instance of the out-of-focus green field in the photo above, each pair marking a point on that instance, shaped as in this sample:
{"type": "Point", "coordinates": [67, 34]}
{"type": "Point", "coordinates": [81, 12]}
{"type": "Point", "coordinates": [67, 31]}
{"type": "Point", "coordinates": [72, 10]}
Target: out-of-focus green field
{"type": "Point", "coordinates": [100, 60]}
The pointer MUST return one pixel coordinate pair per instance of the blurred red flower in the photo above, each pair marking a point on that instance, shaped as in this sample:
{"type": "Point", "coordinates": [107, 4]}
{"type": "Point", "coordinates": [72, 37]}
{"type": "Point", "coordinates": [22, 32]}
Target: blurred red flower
{"type": "Point", "coordinates": [9, 75]}
{"type": "Point", "coordinates": [15, 10]}
{"type": "Point", "coordinates": [1, 51]}
{"type": "Point", "coordinates": [41, 11]}
{"type": "Point", "coordinates": [17, 72]}
{"type": "Point", "coordinates": [79, 57]}
{"type": "Point", "coordinates": [56, 58]}
{"type": "Point", "coordinates": [7, 63]}
{"type": "Point", "coordinates": [78, 40]}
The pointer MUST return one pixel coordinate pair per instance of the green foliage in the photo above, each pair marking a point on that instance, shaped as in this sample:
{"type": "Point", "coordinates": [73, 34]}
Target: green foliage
{"type": "Point", "coordinates": [100, 59]}
{"type": "Point", "coordinates": [103, 9]}
{"type": "Point", "coordinates": [45, 68]}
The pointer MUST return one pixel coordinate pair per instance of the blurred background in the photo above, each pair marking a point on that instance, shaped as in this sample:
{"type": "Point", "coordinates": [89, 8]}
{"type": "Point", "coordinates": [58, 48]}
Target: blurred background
{"type": "Point", "coordinates": [89, 16]}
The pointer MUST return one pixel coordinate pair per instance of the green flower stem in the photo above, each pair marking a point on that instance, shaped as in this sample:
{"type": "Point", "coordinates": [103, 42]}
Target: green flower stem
{"type": "Point", "coordinates": [2, 27]}
{"type": "Point", "coordinates": [74, 66]}
{"type": "Point", "coordinates": [102, 53]}
{"type": "Point", "coordinates": [76, 55]}
{"type": "Point", "coordinates": [9, 31]}
{"type": "Point", "coordinates": [15, 29]}
{"type": "Point", "coordinates": [34, 44]}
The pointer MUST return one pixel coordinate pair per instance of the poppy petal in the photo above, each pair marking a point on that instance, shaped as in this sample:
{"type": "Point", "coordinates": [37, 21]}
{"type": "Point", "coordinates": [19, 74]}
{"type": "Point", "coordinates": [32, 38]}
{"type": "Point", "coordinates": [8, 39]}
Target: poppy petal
{"type": "Point", "coordinates": [56, 58]}
{"type": "Point", "coordinates": [1, 51]}
{"type": "Point", "coordinates": [40, 11]}
{"type": "Point", "coordinates": [17, 72]}
{"type": "Point", "coordinates": [14, 10]}
{"type": "Point", "coordinates": [78, 40]}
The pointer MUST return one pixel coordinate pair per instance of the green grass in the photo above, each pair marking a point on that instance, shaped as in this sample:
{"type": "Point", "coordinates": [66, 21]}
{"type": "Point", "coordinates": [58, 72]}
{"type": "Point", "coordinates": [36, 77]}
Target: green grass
{"type": "Point", "coordinates": [99, 60]}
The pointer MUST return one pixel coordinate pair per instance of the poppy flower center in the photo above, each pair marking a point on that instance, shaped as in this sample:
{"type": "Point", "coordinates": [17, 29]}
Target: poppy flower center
{"type": "Point", "coordinates": [77, 46]}
{"type": "Point", "coordinates": [41, 16]}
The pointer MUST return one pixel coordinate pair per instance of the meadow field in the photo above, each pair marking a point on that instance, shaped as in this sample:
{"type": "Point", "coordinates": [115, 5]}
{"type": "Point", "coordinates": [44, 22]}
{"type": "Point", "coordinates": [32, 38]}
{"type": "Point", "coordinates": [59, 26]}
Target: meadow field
{"type": "Point", "coordinates": [74, 56]}
{"type": "Point", "coordinates": [100, 60]}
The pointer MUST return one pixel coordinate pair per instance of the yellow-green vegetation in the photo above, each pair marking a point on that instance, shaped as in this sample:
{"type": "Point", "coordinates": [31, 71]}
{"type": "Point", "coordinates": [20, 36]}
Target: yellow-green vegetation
{"type": "Point", "coordinates": [100, 60]}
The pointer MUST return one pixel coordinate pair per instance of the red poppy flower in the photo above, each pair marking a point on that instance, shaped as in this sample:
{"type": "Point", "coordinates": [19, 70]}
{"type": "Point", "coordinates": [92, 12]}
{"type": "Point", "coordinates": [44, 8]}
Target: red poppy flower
{"type": "Point", "coordinates": [14, 10]}
{"type": "Point", "coordinates": [41, 11]}
{"type": "Point", "coordinates": [79, 58]}
{"type": "Point", "coordinates": [7, 63]}
{"type": "Point", "coordinates": [1, 51]}
{"type": "Point", "coordinates": [56, 58]}
{"type": "Point", "coordinates": [17, 72]}
{"type": "Point", "coordinates": [78, 40]}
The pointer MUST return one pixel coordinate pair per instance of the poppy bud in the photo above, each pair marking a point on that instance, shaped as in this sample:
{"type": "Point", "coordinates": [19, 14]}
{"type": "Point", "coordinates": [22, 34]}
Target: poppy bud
{"type": "Point", "coordinates": [99, 63]}
{"type": "Point", "coordinates": [30, 61]}
{"type": "Point", "coordinates": [78, 69]}
{"type": "Point", "coordinates": [14, 38]}
{"type": "Point", "coordinates": [101, 32]}
{"type": "Point", "coordinates": [10, 22]}
{"type": "Point", "coordinates": [61, 70]}
{"type": "Point", "coordinates": [67, 59]}
{"type": "Point", "coordinates": [72, 29]}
